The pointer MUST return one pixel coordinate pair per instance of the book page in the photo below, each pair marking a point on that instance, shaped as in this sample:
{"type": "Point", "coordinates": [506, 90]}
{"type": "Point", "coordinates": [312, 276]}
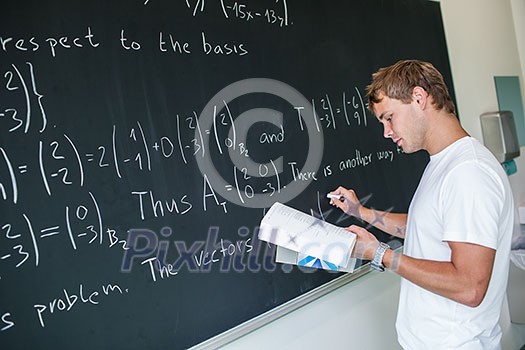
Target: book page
{"type": "Point", "coordinates": [303, 233]}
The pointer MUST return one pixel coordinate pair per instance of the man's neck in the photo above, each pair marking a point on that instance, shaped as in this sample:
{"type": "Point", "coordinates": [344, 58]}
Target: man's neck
{"type": "Point", "coordinates": [445, 130]}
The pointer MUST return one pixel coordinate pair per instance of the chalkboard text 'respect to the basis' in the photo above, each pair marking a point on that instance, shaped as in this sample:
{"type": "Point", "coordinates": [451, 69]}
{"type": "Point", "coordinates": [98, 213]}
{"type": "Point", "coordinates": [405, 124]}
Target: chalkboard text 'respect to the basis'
{"type": "Point", "coordinates": [87, 40]}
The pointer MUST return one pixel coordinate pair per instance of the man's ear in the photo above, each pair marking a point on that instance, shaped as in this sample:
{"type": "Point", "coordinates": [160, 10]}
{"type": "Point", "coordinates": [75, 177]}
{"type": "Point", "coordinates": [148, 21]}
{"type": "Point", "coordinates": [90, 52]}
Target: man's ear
{"type": "Point", "coordinates": [420, 96]}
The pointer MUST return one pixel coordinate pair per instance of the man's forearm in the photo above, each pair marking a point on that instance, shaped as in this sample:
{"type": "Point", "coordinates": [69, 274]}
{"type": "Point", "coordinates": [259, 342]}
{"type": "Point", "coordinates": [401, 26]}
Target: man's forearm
{"type": "Point", "coordinates": [464, 279]}
{"type": "Point", "coordinates": [392, 223]}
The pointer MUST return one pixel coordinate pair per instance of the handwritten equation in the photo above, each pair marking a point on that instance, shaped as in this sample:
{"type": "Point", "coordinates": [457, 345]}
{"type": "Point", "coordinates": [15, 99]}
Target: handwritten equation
{"type": "Point", "coordinates": [62, 161]}
{"type": "Point", "coordinates": [62, 168]}
{"type": "Point", "coordinates": [26, 109]}
{"type": "Point", "coordinates": [277, 14]}
{"type": "Point", "coordinates": [21, 238]}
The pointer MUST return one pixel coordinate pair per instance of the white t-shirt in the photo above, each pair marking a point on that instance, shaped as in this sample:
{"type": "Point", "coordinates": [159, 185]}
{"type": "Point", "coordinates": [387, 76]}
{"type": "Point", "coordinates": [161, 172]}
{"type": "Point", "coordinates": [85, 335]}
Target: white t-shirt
{"type": "Point", "coordinates": [463, 196]}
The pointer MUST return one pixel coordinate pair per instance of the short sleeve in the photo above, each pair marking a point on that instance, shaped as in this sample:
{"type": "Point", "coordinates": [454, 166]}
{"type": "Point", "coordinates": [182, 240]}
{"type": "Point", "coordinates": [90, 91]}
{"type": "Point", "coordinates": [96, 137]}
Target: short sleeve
{"type": "Point", "coordinates": [471, 202]}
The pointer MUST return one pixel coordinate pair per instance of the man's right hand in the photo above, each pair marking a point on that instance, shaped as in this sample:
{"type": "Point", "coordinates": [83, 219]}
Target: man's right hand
{"type": "Point", "coordinates": [347, 201]}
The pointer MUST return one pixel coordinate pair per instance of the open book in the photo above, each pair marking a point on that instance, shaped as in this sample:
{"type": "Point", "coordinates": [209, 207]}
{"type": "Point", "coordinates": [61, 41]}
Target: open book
{"type": "Point", "coordinates": [304, 240]}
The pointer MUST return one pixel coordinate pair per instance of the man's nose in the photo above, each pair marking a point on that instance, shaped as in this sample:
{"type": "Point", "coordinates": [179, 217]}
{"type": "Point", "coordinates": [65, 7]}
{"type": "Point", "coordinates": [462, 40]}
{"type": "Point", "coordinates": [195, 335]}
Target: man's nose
{"type": "Point", "coordinates": [387, 131]}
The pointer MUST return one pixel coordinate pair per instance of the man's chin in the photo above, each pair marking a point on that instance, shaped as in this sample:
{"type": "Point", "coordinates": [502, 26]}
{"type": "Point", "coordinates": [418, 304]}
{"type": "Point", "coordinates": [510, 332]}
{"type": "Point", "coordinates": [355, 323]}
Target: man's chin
{"type": "Point", "coordinates": [408, 150]}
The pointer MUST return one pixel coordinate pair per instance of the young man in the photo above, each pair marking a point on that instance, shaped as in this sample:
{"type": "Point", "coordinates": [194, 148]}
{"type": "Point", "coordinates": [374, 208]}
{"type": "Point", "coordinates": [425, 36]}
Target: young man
{"type": "Point", "coordinates": [459, 225]}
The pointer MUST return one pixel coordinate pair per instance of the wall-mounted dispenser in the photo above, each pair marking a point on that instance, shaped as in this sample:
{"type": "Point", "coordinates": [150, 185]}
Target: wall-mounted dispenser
{"type": "Point", "coordinates": [500, 137]}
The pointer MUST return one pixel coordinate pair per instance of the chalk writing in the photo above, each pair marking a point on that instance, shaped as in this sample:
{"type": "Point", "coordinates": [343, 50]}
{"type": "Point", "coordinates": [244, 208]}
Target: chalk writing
{"type": "Point", "coordinates": [141, 142]}
{"type": "Point", "coordinates": [246, 12]}
{"type": "Point", "coordinates": [61, 166]}
{"type": "Point", "coordinates": [70, 300]}
{"type": "Point", "coordinates": [18, 118]}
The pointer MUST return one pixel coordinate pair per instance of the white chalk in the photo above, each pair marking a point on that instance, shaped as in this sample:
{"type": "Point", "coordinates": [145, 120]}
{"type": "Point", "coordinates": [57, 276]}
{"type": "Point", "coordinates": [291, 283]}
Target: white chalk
{"type": "Point", "coordinates": [337, 196]}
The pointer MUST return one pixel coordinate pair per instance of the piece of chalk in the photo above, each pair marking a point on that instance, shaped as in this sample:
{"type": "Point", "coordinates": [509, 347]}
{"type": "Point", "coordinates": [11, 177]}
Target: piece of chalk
{"type": "Point", "coordinates": [337, 196]}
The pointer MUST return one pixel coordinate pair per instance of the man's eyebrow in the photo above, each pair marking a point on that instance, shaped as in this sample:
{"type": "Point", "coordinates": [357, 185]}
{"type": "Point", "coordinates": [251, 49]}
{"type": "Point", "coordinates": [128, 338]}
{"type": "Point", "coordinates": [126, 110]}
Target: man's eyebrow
{"type": "Point", "coordinates": [380, 117]}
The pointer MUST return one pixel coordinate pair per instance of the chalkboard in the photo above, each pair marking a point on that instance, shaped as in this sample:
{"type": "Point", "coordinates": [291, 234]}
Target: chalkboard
{"type": "Point", "coordinates": [141, 142]}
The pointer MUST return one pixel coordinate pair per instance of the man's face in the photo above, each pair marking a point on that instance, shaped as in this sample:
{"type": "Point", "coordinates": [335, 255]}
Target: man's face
{"type": "Point", "coordinates": [402, 122]}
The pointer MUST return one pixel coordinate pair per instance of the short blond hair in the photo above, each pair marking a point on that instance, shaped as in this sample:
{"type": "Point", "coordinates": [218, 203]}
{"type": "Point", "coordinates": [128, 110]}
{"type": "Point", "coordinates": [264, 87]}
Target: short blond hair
{"type": "Point", "coordinates": [399, 80]}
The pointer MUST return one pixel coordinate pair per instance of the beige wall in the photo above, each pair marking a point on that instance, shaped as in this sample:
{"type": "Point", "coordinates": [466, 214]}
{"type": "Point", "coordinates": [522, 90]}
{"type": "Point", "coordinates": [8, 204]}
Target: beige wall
{"type": "Point", "coordinates": [482, 44]}
{"type": "Point", "coordinates": [518, 10]}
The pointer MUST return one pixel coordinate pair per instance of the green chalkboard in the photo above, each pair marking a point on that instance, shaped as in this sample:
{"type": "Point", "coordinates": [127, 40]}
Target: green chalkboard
{"type": "Point", "coordinates": [141, 142]}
